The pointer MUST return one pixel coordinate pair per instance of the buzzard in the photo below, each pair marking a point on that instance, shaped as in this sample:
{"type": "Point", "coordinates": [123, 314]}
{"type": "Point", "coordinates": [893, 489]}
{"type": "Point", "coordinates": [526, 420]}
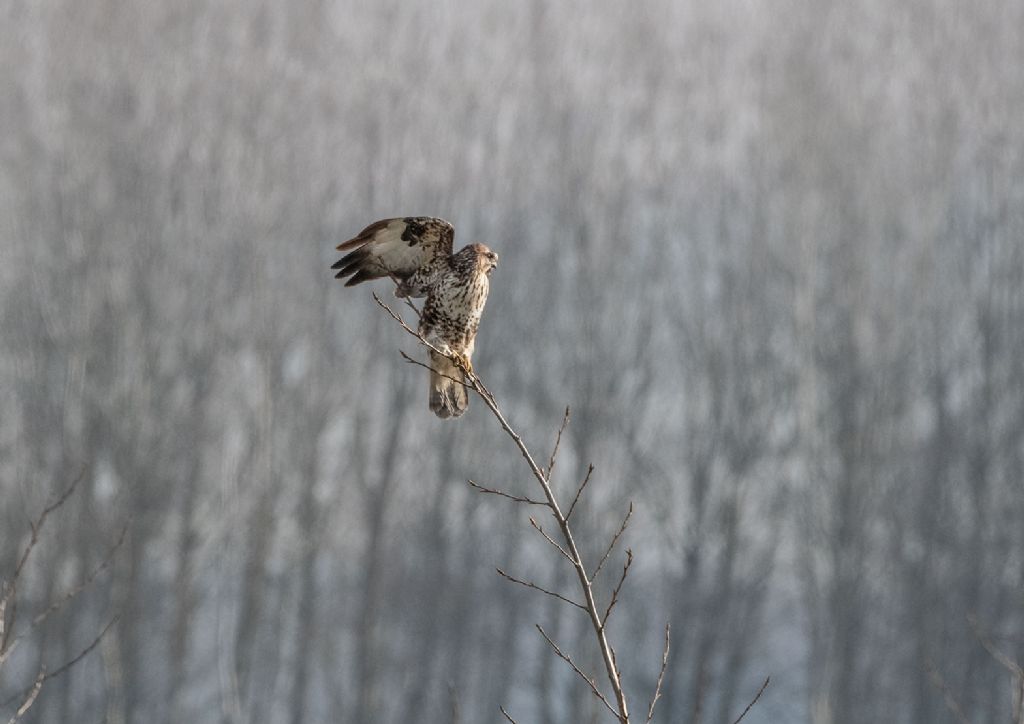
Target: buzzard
{"type": "Point", "coordinates": [416, 252]}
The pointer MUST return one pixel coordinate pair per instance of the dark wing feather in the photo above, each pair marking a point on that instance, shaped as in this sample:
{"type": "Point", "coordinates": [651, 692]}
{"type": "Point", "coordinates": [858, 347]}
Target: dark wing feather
{"type": "Point", "coordinates": [394, 247]}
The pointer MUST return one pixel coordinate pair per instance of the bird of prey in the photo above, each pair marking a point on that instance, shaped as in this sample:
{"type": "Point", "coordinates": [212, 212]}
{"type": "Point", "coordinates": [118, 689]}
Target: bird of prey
{"type": "Point", "coordinates": [416, 252]}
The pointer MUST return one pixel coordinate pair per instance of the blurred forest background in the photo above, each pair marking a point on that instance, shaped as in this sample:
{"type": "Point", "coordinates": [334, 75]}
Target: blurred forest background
{"type": "Point", "coordinates": [769, 252]}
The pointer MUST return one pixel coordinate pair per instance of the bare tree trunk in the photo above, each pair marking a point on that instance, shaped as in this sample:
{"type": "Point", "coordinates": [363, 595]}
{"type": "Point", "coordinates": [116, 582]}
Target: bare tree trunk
{"type": "Point", "coordinates": [127, 640]}
{"type": "Point", "coordinates": [430, 641]}
{"type": "Point", "coordinates": [377, 502]}
{"type": "Point", "coordinates": [310, 521]}
{"type": "Point", "coordinates": [512, 619]}
{"type": "Point", "coordinates": [185, 597]}
{"type": "Point", "coordinates": [918, 589]}
{"type": "Point", "coordinates": [260, 528]}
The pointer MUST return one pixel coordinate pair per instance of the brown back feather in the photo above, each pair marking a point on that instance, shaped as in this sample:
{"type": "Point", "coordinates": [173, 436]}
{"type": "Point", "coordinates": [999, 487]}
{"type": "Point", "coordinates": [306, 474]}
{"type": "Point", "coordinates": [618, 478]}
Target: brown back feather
{"type": "Point", "coordinates": [365, 235]}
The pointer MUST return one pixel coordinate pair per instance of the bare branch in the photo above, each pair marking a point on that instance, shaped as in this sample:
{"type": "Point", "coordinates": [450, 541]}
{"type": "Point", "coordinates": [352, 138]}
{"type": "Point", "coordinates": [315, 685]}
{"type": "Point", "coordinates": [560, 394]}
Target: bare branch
{"type": "Point", "coordinates": [12, 644]}
{"type": "Point", "coordinates": [8, 599]}
{"type": "Point", "coordinates": [9, 604]}
{"type": "Point", "coordinates": [3, 620]}
{"type": "Point", "coordinates": [503, 494]}
{"type": "Point", "coordinates": [507, 715]}
{"type": "Point", "coordinates": [413, 307]}
{"type": "Point", "coordinates": [661, 676]}
{"type": "Point", "coordinates": [488, 398]}
{"type": "Point", "coordinates": [104, 564]}
{"type": "Point", "coordinates": [579, 491]}
{"type": "Point", "coordinates": [62, 499]}
{"type": "Point", "coordinates": [71, 662]}
{"type": "Point", "coordinates": [9, 591]}
{"type": "Point", "coordinates": [754, 700]}
{"type": "Point", "coordinates": [438, 372]}
{"type": "Point", "coordinates": [581, 572]}
{"type": "Point", "coordinates": [394, 315]}
{"type": "Point", "coordinates": [558, 440]}
{"type": "Point", "coordinates": [535, 587]}
{"type": "Point", "coordinates": [6, 653]}
{"type": "Point", "coordinates": [611, 546]}
{"type": "Point", "coordinates": [458, 361]}
{"type": "Point", "coordinates": [552, 541]}
{"type": "Point", "coordinates": [1005, 661]}
{"type": "Point", "coordinates": [618, 586]}
{"type": "Point", "coordinates": [84, 652]}
{"type": "Point", "coordinates": [35, 527]}
{"type": "Point", "coordinates": [565, 657]}
{"type": "Point", "coordinates": [30, 697]}
{"type": "Point", "coordinates": [571, 549]}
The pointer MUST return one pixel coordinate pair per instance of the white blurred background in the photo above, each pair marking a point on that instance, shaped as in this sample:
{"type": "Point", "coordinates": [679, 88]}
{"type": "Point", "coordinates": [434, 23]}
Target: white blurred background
{"type": "Point", "coordinates": [770, 253]}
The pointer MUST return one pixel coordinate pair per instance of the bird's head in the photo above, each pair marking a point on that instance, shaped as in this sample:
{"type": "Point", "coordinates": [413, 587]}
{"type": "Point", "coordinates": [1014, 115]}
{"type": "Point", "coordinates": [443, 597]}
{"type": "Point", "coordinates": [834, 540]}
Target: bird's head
{"type": "Point", "coordinates": [487, 260]}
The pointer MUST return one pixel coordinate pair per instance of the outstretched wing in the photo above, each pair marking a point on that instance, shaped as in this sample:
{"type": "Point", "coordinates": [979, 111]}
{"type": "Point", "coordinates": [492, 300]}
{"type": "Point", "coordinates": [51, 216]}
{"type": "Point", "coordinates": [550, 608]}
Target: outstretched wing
{"type": "Point", "coordinates": [398, 248]}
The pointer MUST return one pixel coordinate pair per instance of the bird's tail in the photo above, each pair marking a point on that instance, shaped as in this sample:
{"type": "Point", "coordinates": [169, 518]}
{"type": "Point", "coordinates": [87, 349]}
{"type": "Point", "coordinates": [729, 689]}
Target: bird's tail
{"type": "Point", "coordinates": [448, 396]}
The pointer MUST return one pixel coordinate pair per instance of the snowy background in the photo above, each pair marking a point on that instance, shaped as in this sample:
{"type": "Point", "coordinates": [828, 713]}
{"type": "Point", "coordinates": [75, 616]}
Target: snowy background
{"type": "Point", "coordinates": [770, 253]}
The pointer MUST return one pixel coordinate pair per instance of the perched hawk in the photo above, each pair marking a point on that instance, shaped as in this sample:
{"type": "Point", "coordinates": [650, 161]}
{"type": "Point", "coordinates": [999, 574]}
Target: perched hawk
{"type": "Point", "coordinates": [416, 252]}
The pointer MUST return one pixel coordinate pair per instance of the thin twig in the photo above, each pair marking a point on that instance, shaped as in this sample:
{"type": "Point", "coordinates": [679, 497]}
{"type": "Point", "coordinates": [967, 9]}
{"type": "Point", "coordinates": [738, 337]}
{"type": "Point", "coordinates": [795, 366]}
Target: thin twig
{"type": "Point", "coordinates": [11, 646]}
{"type": "Point", "coordinates": [30, 698]}
{"type": "Point", "coordinates": [104, 564]}
{"type": "Point", "coordinates": [507, 715]}
{"type": "Point", "coordinates": [437, 372]}
{"type": "Point", "coordinates": [393, 314]}
{"type": "Point", "coordinates": [558, 440]}
{"type": "Point", "coordinates": [3, 619]}
{"type": "Point", "coordinates": [398, 318]}
{"type": "Point", "coordinates": [10, 588]}
{"type": "Point", "coordinates": [1007, 663]}
{"type": "Point", "coordinates": [503, 494]}
{"type": "Point", "coordinates": [35, 526]}
{"type": "Point", "coordinates": [611, 546]}
{"type": "Point", "coordinates": [754, 700]}
{"type": "Point", "coordinates": [551, 540]}
{"type": "Point", "coordinates": [535, 587]}
{"type": "Point", "coordinates": [71, 662]}
{"type": "Point", "coordinates": [39, 618]}
{"type": "Point", "coordinates": [62, 499]}
{"type": "Point", "coordinates": [455, 359]}
{"type": "Point", "coordinates": [85, 651]}
{"type": "Point", "coordinates": [661, 676]}
{"type": "Point", "coordinates": [489, 399]}
{"type": "Point", "coordinates": [572, 549]}
{"type": "Point", "coordinates": [565, 657]}
{"type": "Point", "coordinates": [579, 491]}
{"type": "Point", "coordinates": [412, 306]}
{"type": "Point", "coordinates": [618, 586]}
{"type": "Point", "coordinates": [581, 572]}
